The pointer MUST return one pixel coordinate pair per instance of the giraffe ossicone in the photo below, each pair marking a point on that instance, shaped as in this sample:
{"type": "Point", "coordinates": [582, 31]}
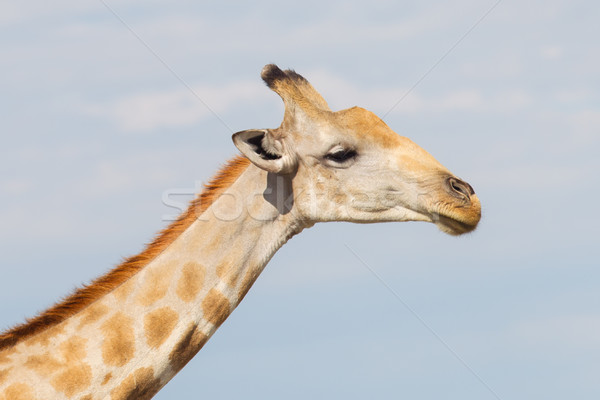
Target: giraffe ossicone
{"type": "Point", "coordinates": [129, 332]}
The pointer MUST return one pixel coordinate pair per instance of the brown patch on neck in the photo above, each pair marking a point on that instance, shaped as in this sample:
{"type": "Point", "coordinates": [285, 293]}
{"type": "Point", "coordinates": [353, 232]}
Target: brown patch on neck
{"type": "Point", "coordinates": [216, 307]}
{"type": "Point", "coordinates": [189, 345]}
{"type": "Point", "coordinates": [247, 283]}
{"type": "Point", "coordinates": [86, 295]}
{"type": "Point", "coordinates": [18, 391]}
{"type": "Point", "coordinates": [158, 325]}
{"type": "Point", "coordinates": [73, 380]}
{"type": "Point", "coordinates": [140, 385]}
{"type": "Point", "coordinates": [4, 374]}
{"type": "Point", "coordinates": [118, 341]}
{"type": "Point", "coordinates": [191, 281]}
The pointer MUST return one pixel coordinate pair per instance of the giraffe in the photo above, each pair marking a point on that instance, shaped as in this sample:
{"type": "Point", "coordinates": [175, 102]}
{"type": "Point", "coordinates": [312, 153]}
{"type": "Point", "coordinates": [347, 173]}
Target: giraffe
{"type": "Point", "coordinates": [127, 333]}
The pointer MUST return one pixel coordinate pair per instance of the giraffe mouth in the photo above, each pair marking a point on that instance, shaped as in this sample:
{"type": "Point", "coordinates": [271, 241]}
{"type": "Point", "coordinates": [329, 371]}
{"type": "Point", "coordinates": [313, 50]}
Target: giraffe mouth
{"type": "Point", "coordinates": [460, 219]}
{"type": "Point", "coordinates": [454, 226]}
{"type": "Point", "coordinates": [459, 210]}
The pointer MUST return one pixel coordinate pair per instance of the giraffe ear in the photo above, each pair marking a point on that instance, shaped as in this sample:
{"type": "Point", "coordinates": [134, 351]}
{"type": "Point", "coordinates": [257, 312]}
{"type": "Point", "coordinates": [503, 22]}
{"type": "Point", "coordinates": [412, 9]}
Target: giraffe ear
{"type": "Point", "coordinates": [266, 150]}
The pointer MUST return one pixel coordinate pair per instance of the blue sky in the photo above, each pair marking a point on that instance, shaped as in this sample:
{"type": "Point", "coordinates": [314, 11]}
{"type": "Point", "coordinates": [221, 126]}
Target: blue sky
{"type": "Point", "coordinates": [103, 109]}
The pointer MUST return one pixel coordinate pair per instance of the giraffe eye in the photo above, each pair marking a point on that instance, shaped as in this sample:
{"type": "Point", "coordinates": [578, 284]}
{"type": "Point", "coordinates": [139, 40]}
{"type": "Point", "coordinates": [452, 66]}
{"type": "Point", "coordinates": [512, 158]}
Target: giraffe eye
{"type": "Point", "coordinates": [341, 155]}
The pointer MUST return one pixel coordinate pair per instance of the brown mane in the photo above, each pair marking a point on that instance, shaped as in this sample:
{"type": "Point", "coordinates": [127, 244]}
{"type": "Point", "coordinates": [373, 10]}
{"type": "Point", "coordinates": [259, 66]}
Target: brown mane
{"type": "Point", "coordinates": [99, 287]}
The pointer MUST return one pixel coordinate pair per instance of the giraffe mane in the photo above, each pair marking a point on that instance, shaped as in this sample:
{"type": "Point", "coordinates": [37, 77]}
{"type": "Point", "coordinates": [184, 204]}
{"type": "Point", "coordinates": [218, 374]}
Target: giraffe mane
{"type": "Point", "coordinates": [87, 294]}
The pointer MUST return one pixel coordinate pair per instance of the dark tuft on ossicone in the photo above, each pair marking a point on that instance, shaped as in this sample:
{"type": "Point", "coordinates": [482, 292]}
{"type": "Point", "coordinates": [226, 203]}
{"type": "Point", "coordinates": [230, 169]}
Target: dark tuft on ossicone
{"type": "Point", "coordinates": [271, 74]}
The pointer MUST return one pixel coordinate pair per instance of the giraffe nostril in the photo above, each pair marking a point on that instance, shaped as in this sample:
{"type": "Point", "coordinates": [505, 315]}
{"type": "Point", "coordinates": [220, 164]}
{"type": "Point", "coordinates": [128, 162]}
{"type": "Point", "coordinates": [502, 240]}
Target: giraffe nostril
{"type": "Point", "coordinates": [459, 188]}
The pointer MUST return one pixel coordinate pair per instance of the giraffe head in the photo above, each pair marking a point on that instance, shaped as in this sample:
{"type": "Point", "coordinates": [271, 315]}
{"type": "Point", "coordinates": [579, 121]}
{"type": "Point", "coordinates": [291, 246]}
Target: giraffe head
{"type": "Point", "coordinates": [350, 166]}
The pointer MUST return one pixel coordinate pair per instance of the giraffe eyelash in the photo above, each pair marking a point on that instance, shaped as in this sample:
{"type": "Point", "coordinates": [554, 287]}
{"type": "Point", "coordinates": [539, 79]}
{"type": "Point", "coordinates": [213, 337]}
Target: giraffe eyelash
{"type": "Point", "coordinates": [341, 156]}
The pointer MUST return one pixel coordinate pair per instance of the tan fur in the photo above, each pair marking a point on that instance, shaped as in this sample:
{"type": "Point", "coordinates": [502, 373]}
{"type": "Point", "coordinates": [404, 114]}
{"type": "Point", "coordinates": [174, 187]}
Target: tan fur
{"type": "Point", "coordinates": [188, 346]}
{"type": "Point", "coordinates": [216, 307]}
{"type": "Point", "coordinates": [361, 123]}
{"type": "Point", "coordinates": [45, 336]}
{"type": "Point", "coordinates": [73, 349]}
{"type": "Point", "coordinates": [247, 283]}
{"type": "Point", "coordinates": [70, 374]}
{"type": "Point", "coordinates": [107, 378]}
{"type": "Point", "coordinates": [3, 374]}
{"type": "Point", "coordinates": [86, 295]}
{"type": "Point", "coordinates": [43, 364]}
{"type": "Point", "coordinates": [229, 273]}
{"type": "Point", "coordinates": [73, 380]}
{"type": "Point", "coordinates": [123, 291]}
{"type": "Point", "coordinates": [118, 345]}
{"type": "Point", "coordinates": [156, 285]}
{"type": "Point", "coordinates": [191, 281]}
{"type": "Point", "coordinates": [140, 385]}
{"type": "Point", "coordinates": [93, 313]}
{"type": "Point", "coordinates": [18, 391]}
{"type": "Point", "coordinates": [5, 356]}
{"type": "Point", "coordinates": [158, 325]}
{"type": "Point", "coordinates": [71, 352]}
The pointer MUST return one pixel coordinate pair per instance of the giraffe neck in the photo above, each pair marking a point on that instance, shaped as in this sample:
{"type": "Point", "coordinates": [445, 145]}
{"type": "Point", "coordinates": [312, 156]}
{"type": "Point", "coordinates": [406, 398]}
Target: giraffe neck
{"type": "Point", "coordinates": [132, 341]}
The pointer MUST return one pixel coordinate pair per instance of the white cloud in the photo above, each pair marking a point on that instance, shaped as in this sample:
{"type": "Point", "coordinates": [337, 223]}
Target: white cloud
{"type": "Point", "coordinates": [505, 100]}
{"type": "Point", "coordinates": [144, 112]}
{"type": "Point", "coordinates": [467, 99]}
{"type": "Point", "coordinates": [344, 31]}
{"type": "Point", "coordinates": [501, 64]}
{"type": "Point", "coordinates": [342, 94]}
{"type": "Point", "coordinates": [115, 177]}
